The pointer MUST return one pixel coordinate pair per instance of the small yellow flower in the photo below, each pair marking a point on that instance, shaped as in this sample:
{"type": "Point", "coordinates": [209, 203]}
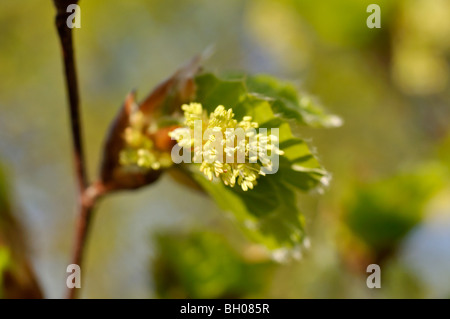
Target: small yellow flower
{"type": "Point", "coordinates": [222, 123]}
{"type": "Point", "coordinates": [192, 112]}
{"type": "Point", "coordinates": [139, 150]}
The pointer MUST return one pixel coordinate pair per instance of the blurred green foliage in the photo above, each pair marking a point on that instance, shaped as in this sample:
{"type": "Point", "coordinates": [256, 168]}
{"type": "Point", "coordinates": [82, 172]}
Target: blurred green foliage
{"type": "Point", "coordinates": [346, 18]}
{"type": "Point", "coordinates": [444, 151]}
{"type": "Point", "coordinates": [5, 261]}
{"type": "Point", "coordinates": [203, 264]}
{"type": "Point", "coordinates": [383, 212]}
{"type": "Point", "coordinates": [17, 279]}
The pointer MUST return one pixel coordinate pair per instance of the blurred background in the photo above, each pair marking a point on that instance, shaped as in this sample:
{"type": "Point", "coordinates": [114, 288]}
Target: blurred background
{"type": "Point", "coordinates": [388, 202]}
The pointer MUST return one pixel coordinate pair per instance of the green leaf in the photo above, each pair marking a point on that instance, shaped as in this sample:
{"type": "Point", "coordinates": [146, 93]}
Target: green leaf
{"type": "Point", "coordinates": [204, 265]}
{"type": "Point", "coordinates": [383, 212]}
{"type": "Point", "coordinates": [213, 92]}
{"type": "Point", "coordinates": [290, 104]}
{"type": "Point", "coordinates": [268, 213]}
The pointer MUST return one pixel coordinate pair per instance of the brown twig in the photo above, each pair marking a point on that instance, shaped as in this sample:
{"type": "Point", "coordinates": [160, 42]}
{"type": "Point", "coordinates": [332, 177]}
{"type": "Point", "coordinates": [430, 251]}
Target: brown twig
{"type": "Point", "coordinates": [87, 196]}
{"type": "Point", "coordinates": [180, 87]}
{"type": "Point", "coordinates": [65, 36]}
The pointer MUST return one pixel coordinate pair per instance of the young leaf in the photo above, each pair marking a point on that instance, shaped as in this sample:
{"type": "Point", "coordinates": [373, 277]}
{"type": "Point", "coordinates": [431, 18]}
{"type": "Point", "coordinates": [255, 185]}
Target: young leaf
{"type": "Point", "coordinates": [268, 213]}
{"type": "Point", "coordinates": [290, 104]}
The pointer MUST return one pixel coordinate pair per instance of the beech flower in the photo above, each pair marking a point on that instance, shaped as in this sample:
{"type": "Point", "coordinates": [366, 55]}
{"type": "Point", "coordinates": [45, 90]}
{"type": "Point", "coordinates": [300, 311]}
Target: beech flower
{"type": "Point", "coordinates": [256, 149]}
{"type": "Point", "coordinates": [139, 151]}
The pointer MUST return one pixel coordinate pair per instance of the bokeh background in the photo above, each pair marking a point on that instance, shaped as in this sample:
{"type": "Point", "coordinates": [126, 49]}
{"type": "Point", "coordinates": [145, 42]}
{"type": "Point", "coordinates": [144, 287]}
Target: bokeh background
{"type": "Point", "coordinates": [388, 202]}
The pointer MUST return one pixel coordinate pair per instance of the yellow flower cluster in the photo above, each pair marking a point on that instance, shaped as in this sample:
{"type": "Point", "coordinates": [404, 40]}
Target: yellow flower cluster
{"type": "Point", "coordinates": [139, 151]}
{"type": "Point", "coordinates": [222, 123]}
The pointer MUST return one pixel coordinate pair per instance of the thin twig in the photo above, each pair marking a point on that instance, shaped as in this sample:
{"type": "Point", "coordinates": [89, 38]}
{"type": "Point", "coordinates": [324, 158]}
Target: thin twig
{"type": "Point", "coordinates": [65, 36]}
{"type": "Point", "coordinates": [80, 240]}
{"type": "Point", "coordinates": [88, 200]}
{"type": "Point", "coordinates": [87, 196]}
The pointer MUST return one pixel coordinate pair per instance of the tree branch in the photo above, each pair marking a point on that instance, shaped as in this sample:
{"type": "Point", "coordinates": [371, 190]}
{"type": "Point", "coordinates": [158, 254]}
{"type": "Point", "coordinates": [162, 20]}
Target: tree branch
{"type": "Point", "coordinates": [88, 200]}
{"type": "Point", "coordinates": [87, 196]}
{"type": "Point", "coordinates": [65, 36]}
